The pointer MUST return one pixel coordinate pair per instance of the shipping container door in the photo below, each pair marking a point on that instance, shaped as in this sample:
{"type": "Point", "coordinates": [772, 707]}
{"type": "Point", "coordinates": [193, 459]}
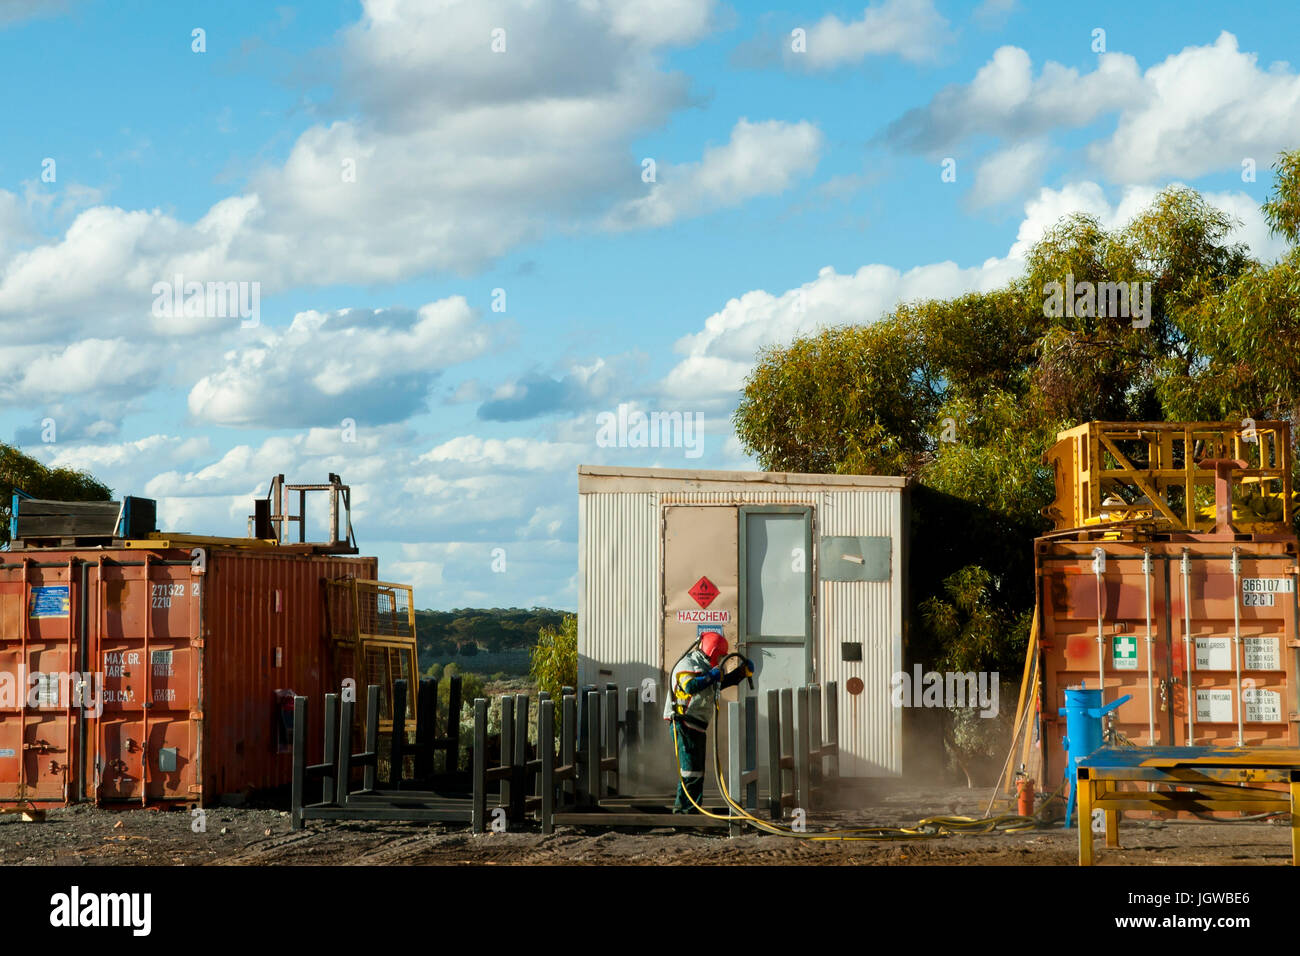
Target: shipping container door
{"type": "Point", "coordinates": [1128, 656]}
{"type": "Point", "coordinates": [148, 736]}
{"type": "Point", "coordinates": [1241, 688]}
{"type": "Point", "coordinates": [39, 683]}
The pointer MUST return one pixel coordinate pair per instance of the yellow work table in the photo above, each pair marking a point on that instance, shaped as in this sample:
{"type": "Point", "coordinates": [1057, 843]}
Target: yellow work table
{"type": "Point", "coordinates": [1219, 778]}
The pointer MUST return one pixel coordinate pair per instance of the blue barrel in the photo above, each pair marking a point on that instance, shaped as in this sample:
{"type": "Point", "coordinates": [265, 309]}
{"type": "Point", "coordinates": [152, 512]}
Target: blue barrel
{"type": "Point", "coordinates": [1082, 732]}
{"type": "Point", "coordinates": [1083, 712]}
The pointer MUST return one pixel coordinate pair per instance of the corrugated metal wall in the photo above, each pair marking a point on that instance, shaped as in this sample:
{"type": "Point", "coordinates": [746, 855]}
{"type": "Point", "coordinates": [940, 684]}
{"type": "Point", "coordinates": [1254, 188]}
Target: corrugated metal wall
{"type": "Point", "coordinates": [869, 612]}
{"type": "Point", "coordinates": [264, 631]}
{"type": "Point", "coordinates": [620, 603]}
{"type": "Point", "coordinates": [619, 561]}
{"type": "Point", "coordinates": [189, 664]}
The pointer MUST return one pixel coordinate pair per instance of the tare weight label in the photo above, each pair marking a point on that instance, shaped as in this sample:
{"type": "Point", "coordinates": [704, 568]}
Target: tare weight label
{"type": "Point", "coordinates": [1262, 653]}
{"type": "Point", "coordinates": [1214, 654]}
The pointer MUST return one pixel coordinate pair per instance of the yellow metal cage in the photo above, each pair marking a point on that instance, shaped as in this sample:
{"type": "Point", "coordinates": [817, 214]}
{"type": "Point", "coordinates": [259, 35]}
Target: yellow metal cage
{"type": "Point", "coordinates": [372, 631]}
{"type": "Point", "coordinates": [1158, 473]}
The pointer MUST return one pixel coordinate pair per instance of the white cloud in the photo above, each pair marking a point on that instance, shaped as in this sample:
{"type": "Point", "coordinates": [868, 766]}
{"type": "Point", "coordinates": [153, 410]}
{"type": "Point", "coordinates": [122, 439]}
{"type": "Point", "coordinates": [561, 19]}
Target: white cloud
{"type": "Point", "coordinates": [1009, 173]}
{"type": "Point", "coordinates": [372, 365]}
{"type": "Point", "coordinates": [1005, 100]}
{"type": "Point", "coordinates": [1201, 110]}
{"type": "Point", "coordinates": [911, 29]}
{"type": "Point", "coordinates": [1206, 109]}
{"type": "Point", "coordinates": [512, 454]}
{"type": "Point", "coordinates": [761, 159]}
{"type": "Point", "coordinates": [448, 156]}
{"type": "Point", "coordinates": [717, 358]}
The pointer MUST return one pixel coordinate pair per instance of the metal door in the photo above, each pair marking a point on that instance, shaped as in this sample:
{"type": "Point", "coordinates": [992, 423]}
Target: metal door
{"type": "Point", "coordinates": [39, 692]}
{"type": "Point", "coordinates": [699, 591]}
{"type": "Point", "coordinates": [776, 595]}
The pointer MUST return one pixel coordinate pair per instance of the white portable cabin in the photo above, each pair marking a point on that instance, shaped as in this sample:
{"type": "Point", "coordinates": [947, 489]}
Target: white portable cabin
{"type": "Point", "coordinates": [804, 574]}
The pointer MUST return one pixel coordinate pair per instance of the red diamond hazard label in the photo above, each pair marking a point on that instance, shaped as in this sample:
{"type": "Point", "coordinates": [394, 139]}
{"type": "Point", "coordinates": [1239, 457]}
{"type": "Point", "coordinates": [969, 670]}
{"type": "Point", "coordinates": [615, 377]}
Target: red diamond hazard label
{"type": "Point", "coordinates": [704, 591]}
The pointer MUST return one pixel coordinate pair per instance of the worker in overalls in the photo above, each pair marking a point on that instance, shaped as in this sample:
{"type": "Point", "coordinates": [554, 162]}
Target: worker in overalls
{"type": "Point", "coordinates": [694, 683]}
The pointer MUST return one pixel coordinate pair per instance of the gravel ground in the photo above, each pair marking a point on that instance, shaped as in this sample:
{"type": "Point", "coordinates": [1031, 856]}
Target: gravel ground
{"type": "Point", "coordinates": [87, 836]}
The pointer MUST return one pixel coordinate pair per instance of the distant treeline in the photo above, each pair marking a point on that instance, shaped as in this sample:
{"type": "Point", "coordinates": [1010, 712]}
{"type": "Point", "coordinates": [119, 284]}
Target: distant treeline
{"type": "Point", "coordinates": [465, 631]}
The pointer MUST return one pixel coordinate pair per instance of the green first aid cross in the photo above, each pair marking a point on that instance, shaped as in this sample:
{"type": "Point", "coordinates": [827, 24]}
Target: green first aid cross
{"type": "Point", "coordinates": [1124, 653]}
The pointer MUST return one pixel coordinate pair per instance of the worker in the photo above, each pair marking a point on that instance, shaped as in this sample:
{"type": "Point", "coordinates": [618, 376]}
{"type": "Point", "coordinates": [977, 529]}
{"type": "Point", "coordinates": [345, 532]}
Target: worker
{"type": "Point", "coordinates": [694, 683]}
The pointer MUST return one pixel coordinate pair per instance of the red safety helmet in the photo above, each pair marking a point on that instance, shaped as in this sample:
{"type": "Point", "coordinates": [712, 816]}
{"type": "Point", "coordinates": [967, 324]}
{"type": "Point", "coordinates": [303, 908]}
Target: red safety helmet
{"type": "Point", "coordinates": [714, 646]}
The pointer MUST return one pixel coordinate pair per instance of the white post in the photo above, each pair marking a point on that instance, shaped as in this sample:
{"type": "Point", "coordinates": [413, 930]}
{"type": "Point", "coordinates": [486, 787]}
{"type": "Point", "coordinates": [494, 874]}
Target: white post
{"type": "Point", "coordinates": [1151, 702]}
{"type": "Point", "coordinates": [1190, 693]}
{"type": "Point", "coordinates": [1098, 567]}
{"type": "Point", "coordinates": [1236, 636]}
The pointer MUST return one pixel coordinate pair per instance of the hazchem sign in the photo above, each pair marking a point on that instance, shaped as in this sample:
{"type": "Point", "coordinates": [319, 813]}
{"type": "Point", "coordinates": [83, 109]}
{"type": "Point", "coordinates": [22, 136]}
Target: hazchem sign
{"type": "Point", "coordinates": [703, 617]}
{"type": "Point", "coordinates": [1124, 653]}
{"type": "Point", "coordinates": [1261, 592]}
{"type": "Point", "coordinates": [1214, 706]}
{"type": "Point", "coordinates": [1214, 654]}
{"type": "Point", "coordinates": [704, 591]}
{"type": "Point", "coordinates": [1262, 654]}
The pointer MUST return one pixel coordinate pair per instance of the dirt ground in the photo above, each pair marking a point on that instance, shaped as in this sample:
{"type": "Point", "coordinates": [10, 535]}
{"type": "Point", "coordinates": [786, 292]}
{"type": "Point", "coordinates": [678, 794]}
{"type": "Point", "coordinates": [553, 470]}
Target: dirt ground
{"type": "Point", "coordinates": [85, 836]}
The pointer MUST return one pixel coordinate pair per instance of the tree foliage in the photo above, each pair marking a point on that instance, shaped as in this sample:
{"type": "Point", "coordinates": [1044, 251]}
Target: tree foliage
{"type": "Point", "coordinates": [19, 471]}
{"type": "Point", "coordinates": [964, 395]}
{"type": "Point", "coordinates": [555, 657]}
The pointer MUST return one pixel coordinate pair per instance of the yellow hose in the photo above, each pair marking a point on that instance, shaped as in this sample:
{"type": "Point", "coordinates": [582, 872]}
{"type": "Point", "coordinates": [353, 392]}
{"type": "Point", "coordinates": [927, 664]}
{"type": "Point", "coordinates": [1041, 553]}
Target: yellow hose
{"type": "Point", "coordinates": [925, 829]}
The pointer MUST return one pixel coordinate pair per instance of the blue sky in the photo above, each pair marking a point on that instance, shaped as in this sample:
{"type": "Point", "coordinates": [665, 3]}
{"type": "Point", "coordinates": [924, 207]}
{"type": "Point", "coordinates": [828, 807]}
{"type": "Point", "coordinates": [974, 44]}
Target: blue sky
{"type": "Point", "coordinates": [375, 171]}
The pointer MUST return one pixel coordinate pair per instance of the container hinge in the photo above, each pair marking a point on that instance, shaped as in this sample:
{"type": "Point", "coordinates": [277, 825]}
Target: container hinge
{"type": "Point", "coordinates": [194, 788]}
{"type": "Point", "coordinates": [196, 715]}
{"type": "Point", "coordinates": [196, 642]}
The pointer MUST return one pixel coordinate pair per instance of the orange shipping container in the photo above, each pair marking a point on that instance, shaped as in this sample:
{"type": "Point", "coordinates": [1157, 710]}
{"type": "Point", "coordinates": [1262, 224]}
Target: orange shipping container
{"type": "Point", "coordinates": [1222, 641]}
{"type": "Point", "coordinates": [156, 676]}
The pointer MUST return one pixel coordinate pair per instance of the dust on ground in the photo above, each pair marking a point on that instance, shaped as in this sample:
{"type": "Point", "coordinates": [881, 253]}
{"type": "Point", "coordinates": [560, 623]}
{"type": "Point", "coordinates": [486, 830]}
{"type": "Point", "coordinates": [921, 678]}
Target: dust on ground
{"type": "Point", "coordinates": [251, 836]}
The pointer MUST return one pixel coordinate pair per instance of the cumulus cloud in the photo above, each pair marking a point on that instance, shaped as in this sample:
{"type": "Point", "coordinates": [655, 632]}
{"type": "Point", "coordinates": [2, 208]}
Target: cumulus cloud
{"type": "Point", "coordinates": [1009, 173]}
{"type": "Point", "coordinates": [911, 29]}
{"type": "Point", "coordinates": [444, 155]}
{"type": "Point", "coordinates": [760, 159]}
{"type": "Point", "coordinates": [1206, 108]}
{"type": "Point", "coordinates": [538, 393]}
{"type": "Point", "coordinates": [716, 359]}
{"type": "Point", "coordinates": [1203, 109]}
{"type": "Point", "coordinates": [1005, 100]}
{"type": "Point", "coordinates": [372, 365]}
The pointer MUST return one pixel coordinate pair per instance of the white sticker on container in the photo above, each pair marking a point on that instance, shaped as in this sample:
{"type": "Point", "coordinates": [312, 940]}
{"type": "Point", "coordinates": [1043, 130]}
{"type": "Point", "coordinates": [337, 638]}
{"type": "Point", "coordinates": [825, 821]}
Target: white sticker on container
{"type": "Point", "coordinates": [1262, 706]}
{"type": "Point", "coordinates": [1214, 654]}
{"type": "Point", "coordinates": [47, 690]}
{"type": "Point", "coordinates": [8, 752]}
{"type": "Point", "coordinates": [1262, 654]}
{"type": "Point", "coordinates": [1214, 706]}
{"type": "Point", "coordinates": [162, 663]}
{"type": "Point", "coordinates": [1268, 585]}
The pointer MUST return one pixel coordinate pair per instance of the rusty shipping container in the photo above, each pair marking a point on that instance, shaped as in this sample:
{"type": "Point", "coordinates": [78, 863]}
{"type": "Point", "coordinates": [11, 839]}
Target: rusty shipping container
{"type": "Point", "coordinates": [1201, 633]}
{"type": "Point", "coordinates": [133, 676]}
